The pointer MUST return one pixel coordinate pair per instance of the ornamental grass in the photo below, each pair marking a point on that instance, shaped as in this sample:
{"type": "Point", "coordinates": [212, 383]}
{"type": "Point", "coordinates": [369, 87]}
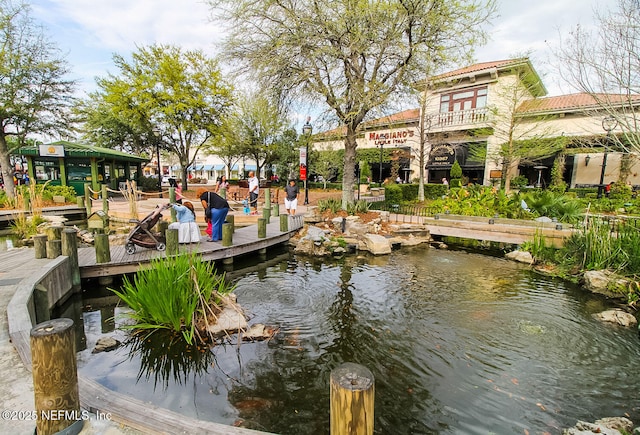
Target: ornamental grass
{"type": "Point", "coordinates": [182, 293]}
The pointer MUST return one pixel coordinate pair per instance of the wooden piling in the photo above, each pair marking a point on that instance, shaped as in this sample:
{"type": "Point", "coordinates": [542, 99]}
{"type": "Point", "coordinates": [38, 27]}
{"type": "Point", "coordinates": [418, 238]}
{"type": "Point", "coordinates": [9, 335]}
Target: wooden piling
{"type": "Point", "coordinates": [87, 199]}
{"type": "Point", "coordinates": [284, 223]}
{"type": "Point", "coordinates": [275, 209]}
{"type": "Point", "coordinates": [105, 199]}
{"type": "Point", "coordinates": [54, 232]}
{"type": "Point", "coordinates": [267, 198]}
{"type": "Point", "coordinates": [80, 201]}
{"type": "Point", "coordinates": [227, 234]}
{"type": "Point", "coordinates": [266, 214]}
{"type": "Point", "coordinates": [262, 228]}
{"type": "Point", "coordinates": [40, 245]}
{"type": "Point", "coordinates": [70, 249]}
{"type": "Point", "coordinates": [231, 220]}
{"type": "Point", "coordinates": [55, 377]}
{"type": "Point", "coordinates": [54, 249]}
{"type": "Point", "coordinates": [172, 241]}
{"type": "Point", "coordinates": [352, 398]}
{"type": "Point", "coordinates": [103, 252]}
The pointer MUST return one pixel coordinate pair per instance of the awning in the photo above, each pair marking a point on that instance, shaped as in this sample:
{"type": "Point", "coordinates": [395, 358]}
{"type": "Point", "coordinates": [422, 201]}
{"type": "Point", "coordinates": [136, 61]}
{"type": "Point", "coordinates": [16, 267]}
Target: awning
{"type": "Point", "coordinates": [208, 167]}
{"type": "Point", "coordinates": [218, 167]}
{"type": "Point", "coordinates": [249, 167]}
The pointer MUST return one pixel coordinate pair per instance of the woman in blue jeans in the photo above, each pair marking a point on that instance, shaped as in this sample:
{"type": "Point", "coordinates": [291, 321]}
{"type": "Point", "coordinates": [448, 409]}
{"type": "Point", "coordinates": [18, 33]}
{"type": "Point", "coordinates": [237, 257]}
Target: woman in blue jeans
{"type": "Point", "coordinates": [219, 208]}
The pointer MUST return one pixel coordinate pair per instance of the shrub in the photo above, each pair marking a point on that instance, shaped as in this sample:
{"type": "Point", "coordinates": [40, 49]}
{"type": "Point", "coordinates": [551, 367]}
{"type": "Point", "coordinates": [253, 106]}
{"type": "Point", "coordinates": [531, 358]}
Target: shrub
{"type": "Point", "coordinates": [332, 204]}
{"type": "Point", "coordinates": [177, 293]}
{"type": "Point", "coordinates": [393, 193]}
{"type": "Point", "coordinates": [519, 181]}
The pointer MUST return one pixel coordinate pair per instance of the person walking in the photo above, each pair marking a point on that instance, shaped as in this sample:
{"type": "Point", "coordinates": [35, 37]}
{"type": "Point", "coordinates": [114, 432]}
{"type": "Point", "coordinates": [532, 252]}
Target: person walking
{"type": "Point", "coordinates": [216, 209]}
{"type": "Point", "coordinates": [291, 197]}
{"type": "Point", "coordinates": [254, 191]}
{"type": "Point", "coordinates": [222, 184]}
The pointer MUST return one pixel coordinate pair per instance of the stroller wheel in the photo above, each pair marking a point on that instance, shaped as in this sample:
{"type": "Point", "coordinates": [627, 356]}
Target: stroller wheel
{"type": "Point", "coordinates": [160, 247]}
{"type": "Point", "coordinates": [130, 248]}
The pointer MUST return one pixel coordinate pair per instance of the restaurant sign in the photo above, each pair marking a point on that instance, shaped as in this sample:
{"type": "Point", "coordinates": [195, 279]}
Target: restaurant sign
{"type": "Point", "coordinates": [390, 137]}
{"type": "Point", "coordinates": [442, 155]}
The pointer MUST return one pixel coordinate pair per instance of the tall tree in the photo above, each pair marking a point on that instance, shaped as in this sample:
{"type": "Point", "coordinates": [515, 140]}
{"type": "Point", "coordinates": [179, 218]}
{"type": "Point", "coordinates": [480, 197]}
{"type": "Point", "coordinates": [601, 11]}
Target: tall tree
{"type": "Point", "coordinates": [164, 97]}
{"type": "Point", "coordinates": [353, 55]}
{"type": "Point", "coordinates": [35, 96]}
{"type": "Point", "coordinates": [604, 62]}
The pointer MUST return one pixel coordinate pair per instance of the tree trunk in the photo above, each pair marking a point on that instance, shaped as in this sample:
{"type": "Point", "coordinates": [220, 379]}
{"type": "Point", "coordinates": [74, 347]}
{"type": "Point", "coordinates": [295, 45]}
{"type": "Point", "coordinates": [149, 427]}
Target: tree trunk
{"type": "Point", "coordinates": [348, 175]}
{"type": "Point", "coordinates": [7, 169]}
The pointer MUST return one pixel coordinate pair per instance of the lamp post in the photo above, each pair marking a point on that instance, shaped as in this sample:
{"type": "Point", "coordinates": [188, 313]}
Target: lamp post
{"type": "Point", "coordinates": [608, 124]}
{"type": "Point", "coordinates": [158, 137]}
{"type": "Point", "coordinates": [380, 174]}
{"type": "Point", "coordinates": [307, 129]}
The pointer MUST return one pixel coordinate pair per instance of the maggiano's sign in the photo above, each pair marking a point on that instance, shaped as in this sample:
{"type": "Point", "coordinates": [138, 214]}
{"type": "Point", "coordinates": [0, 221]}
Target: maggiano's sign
{"type": "Point", "coordinates": [390, 137]}
{"type": "Point", "coordinates": [442, 155]}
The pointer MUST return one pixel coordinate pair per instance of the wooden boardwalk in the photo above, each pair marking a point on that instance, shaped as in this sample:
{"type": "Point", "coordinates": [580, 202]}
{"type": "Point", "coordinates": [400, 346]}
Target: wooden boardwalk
{"type": "Point", "coordinates": [245, 241]}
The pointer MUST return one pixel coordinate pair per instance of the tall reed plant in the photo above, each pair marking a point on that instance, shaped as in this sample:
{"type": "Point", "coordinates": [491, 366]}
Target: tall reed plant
{"type": "Point", "coordinates": [178, 293]}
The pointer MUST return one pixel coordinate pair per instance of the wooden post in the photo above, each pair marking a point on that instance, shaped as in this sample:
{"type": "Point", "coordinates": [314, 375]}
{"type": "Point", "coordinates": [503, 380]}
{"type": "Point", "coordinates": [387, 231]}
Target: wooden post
{"type": "Point", "coordinates": [103, 253]}
{"type": "Point", "coordinates": [266, 214]}
{"type": "Point", "coordinates": [40, 245]}
{"type": "Point", "coordinates": [162, 226]}
{"type": "Point", "coordinates": [231, 220]}
{"type": "Point", "coordinates": [352, 397]}
{"type": "Point", "coordinates": [87, 198]}
{"type": "Point", "coordinates": [227, 234]}
{"type": "Point", "coordinates": [54, 249]}
{"type": "Point", "coordinates": [172, 241]}
{"type": "Point", "coordinates": [267, 198]}
{"type": "Point", "coordinates": [275, 209]}
{"type": "Point", "coordinates": [80, 201]}
{"type": "Point", "coordinates": [55, 377]}
{"type": "Point", "coordinates": [284, 223]}
{"type": "Point", "coordinates": [70, 249]}
{"type": "Point", "coordinates": [172, 200]}
{"type": "Point", "coordinates": [54, 232]}
{"type": "Point", "coordinates": [105, 199]}
{"type": "Point", "coordinates": [262, 228]}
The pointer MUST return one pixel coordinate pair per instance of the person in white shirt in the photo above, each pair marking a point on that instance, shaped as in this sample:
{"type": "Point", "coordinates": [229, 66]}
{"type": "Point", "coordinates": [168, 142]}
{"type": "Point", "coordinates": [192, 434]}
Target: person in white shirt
{"type": "Point", "coordinates": [254, 191]}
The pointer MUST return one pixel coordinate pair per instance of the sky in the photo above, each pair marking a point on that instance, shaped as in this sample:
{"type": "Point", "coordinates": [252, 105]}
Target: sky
{"type": "Point", "coordinates": [89, 32]}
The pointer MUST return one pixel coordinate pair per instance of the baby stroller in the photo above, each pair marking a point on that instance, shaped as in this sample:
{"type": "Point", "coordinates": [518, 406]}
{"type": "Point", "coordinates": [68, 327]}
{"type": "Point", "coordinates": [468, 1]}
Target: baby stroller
{"type": "Point", "coordinates": [142, 235]}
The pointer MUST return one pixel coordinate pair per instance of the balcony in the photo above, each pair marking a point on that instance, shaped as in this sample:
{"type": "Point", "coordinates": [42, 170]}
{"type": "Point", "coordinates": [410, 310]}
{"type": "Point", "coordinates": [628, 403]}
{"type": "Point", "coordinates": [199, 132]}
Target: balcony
{"type": "Point", "coordinates": [463, 119]}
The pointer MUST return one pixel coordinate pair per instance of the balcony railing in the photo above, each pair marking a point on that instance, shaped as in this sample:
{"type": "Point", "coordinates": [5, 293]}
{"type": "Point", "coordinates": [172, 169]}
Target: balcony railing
{"type": "Point", "coordinates": [460, 118]}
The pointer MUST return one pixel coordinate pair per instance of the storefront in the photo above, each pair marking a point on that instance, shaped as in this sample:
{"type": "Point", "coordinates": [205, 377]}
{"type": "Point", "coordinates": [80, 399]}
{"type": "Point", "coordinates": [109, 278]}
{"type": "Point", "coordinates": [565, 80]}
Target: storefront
{"type": "Point", "coordinates": [71, 164]}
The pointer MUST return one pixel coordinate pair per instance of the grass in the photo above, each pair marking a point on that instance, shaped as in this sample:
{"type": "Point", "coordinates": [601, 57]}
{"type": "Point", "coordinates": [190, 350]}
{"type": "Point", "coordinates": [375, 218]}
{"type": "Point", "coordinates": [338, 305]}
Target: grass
{"type": "Point", "coordinates": [181, 293]}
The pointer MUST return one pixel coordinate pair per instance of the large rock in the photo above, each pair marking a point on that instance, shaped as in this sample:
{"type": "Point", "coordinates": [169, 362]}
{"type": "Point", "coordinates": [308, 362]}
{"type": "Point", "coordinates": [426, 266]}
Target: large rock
{"type": "Point", "coordinates": [520, 256]}
{"type": "Point", "coordinates": [617, 316]}
{"type": "Point", "coordinates": [605, 426]}
{"type": "Point", "coordinates": [601, 282]}
{"type": "Point", "coordinates": [230, 320]}
{"type": "Point", "coordinates": [376, 244]}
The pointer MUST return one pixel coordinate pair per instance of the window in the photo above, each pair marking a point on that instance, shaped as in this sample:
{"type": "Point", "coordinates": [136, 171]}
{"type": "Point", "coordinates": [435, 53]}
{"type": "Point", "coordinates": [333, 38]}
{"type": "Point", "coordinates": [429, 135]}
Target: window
{"type": "Point", "coordinates": [463, 100]}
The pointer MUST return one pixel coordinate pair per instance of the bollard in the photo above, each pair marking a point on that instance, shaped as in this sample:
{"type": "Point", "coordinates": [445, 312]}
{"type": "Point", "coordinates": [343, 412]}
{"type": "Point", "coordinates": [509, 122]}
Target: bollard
{"type": "Point", "coordinates": [55, 378]}
{"type": "Point", "coordinates": [284, 223]}
{"type": "Point", "coordinates": [267, 198]}
{"type": "Point", "coordinates": [262, 228]}
{"type": "Point", "coordinates": [54, 249]}
{"type": "Point", "coordinates": [231, 220]}
{"type": "Point", "coordinates": [103, 253]}
{"type": "Point", "coordinates": [70, 249]}
{"type": "Point", "coordinates": [172, 200]}
{"type": "Point", "coordinates": [54, 232]}
{"type": "Point", "coordinates": [87, 199]}
{"type": "Point", "coordinates": [227, 234]}
{"type": "Point", "coordinates": [352, 398]}
{"type": "Point", "coordinates": [40, 245]}
{"type": "Point", "coordinates": [163, 225]}
{"type": "Point", "coordinates": [80, 201]}
{"type": "Point", "coordinates": [275, 209]}
{"type": "Point", "coordinates": [266, 214]}
{"type": "Point", "coordinates": [172, 241]}
{"type": "Point", "coordinates": [105, 199]}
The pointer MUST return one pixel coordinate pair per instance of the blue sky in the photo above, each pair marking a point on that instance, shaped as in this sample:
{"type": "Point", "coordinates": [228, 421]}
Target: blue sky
{"type": "Point", "coordinates": [90, 31]}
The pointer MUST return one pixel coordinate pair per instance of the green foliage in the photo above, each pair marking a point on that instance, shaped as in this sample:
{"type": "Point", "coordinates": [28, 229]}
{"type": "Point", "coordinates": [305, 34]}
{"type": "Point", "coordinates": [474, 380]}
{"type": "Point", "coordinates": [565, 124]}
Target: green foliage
{"type": "Point", "coordinates": [433, 191]}
{"type": "Point", "coordinates": [358, 207]}
{"type": "Point", "coordinates": [456, 170]}
{"type": "Point", "coordinates": [330, 204]}
{"type": "Point", "coordinates": [409, 192]}
{"type": "Point", "coordinates": [174, 293]}
{"type": "Point", "coordinates": [149, 184]}
{"type": "Point", "coordinates": [554, 205]}
{"type": "Point", "coordinates": [393, 194]}
{"type": "Point", "coordinates": [365, 172]}
{"type": "Point", "coordinates": [519, 181]}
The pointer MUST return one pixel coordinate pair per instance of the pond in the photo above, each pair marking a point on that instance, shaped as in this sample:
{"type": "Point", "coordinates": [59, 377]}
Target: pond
{"type": "Point", "coordinates": [458, 343]}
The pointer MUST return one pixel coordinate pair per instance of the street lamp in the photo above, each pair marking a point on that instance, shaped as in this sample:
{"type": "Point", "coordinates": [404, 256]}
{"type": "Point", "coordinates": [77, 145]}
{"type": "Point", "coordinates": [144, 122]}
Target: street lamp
{"type": "Point", "coordinates": [608, 124]}
{"type": "Point", "coordinates": [307, 129]}
{"type": "Point", "coordinates": [158, 137]}
{"type": "Point", "coordinates": [380, 174]}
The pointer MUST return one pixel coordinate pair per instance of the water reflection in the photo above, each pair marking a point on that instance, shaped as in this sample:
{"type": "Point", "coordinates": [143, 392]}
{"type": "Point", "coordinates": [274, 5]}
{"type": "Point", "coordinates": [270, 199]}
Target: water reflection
{"type": "Point", "coordinates": [457, 342]}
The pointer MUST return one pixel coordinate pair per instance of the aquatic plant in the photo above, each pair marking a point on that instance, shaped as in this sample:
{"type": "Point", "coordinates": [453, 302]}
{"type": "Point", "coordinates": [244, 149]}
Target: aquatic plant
{"type": "Point", "coordinates": [181, 293]}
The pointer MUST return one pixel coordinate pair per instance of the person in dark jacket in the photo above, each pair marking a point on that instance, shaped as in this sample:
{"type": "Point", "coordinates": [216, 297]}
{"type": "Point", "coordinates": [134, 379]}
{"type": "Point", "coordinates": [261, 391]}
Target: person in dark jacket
{"type": "Point", "coordinates": [216, 209]}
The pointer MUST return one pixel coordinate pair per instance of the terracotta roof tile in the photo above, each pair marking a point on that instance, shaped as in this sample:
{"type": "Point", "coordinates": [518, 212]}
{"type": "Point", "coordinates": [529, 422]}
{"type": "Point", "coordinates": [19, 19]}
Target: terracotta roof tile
{"type": "Point", "coordinates": [497, 64]}
{"type": "Point", "coordinates": [573, 102]}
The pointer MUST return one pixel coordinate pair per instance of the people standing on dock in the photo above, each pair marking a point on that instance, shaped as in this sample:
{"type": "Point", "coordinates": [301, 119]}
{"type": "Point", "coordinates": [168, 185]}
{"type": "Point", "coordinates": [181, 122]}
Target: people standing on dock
{"type": "Point", "coordinates": [291, 197]}
{"type": "Point", "coordinates": [216, 209]}
{"type": "Point", "coordinates": [254, 191]}
{"type": "Point", "coordinates": [188, 230]}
